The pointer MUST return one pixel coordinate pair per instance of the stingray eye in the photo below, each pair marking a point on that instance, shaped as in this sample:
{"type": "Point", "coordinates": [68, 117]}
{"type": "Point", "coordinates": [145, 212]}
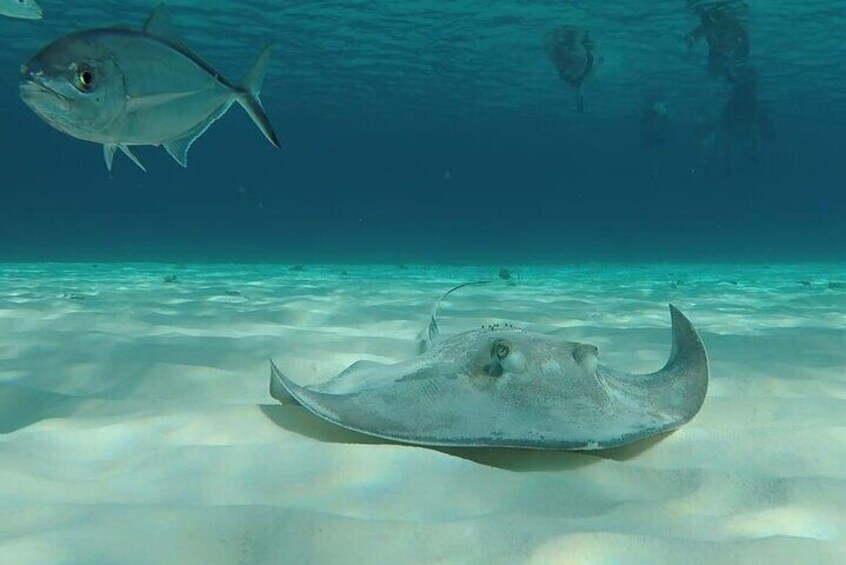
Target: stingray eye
{"type": "Point", "coordinates": [501, 349]}
{"type": "Point", "coordinates": [84, 79]}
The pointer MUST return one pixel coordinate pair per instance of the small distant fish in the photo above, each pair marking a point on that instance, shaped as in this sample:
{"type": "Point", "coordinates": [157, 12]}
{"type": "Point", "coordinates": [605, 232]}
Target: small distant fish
{"type": "Point", "coordinates": [121, 87]}
{"type": "Point", "coordinates": [23, 9]}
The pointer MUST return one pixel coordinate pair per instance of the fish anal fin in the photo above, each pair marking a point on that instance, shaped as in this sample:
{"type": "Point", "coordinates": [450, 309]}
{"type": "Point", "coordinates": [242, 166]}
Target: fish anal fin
{"type": "Point", "coordinates": [132, 157]}
{"type": "Point", "coordinates": [178, 148]}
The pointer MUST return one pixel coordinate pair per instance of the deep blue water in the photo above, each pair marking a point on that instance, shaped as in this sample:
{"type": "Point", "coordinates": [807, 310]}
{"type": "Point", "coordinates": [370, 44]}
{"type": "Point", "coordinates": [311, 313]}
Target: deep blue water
{"type": "Point", "coordinates": [440, 131]}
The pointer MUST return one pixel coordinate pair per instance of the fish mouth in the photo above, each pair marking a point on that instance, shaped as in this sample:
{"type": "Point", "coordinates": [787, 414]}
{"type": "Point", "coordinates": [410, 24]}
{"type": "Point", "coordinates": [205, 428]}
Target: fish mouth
{"type": "Point", "coordinates": [33, 88]}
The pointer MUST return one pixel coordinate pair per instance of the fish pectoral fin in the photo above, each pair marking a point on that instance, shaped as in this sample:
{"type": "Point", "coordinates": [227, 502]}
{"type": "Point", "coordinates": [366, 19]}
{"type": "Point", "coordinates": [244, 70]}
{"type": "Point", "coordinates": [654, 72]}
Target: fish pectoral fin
{"type": "Point", "coordinates": [178, 148]}
{"type": "Point", "coordinates": [140, 103]}
{"type": "Point", "coordinates": [109, 154]}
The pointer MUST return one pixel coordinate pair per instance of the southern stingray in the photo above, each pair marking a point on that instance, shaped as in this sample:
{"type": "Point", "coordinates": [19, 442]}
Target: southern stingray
{"type": "Point", "coordinates": [498, 386]}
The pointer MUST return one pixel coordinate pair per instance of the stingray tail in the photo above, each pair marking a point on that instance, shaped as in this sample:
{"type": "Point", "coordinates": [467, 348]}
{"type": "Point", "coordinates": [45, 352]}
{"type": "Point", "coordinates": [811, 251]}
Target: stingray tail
{"type": "Point", "coordinates": [432, 331]}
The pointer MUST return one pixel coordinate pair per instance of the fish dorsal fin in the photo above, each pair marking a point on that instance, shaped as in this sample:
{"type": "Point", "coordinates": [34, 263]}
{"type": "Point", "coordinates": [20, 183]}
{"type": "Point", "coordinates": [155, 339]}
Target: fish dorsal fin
{"type": "Point", "coordinates": [178, 148]}
{"type": "Point", "coordinates": [433, 331]}
{"type": "Point", "coordinates": [159, 24]}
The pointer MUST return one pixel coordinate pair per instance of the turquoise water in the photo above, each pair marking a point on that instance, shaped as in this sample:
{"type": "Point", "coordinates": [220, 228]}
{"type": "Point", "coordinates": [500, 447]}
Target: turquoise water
{"type": "Point", "coordinates": [440, 131]}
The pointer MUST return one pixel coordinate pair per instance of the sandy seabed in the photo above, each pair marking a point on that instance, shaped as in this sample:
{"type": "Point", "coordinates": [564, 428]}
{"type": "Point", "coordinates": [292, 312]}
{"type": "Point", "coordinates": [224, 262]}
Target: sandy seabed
{"type": "Point", "coordinates": [136, 424]}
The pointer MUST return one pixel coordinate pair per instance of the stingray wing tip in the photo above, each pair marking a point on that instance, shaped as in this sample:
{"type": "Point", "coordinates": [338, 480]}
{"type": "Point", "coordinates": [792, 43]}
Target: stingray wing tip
{"type": "Point", "coordinates": [689, 358]}
{"type": "Point", "coordinates": [280, 385]}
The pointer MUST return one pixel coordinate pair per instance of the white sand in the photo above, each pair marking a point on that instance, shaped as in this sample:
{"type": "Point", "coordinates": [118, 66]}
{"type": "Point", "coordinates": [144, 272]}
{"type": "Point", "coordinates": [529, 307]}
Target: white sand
{"type": "Point", "coordinates": [136, 427]}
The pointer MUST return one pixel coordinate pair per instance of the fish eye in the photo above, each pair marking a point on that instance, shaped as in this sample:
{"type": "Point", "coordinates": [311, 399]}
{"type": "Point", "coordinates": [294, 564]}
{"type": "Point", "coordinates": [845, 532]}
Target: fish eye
{"type": "Point", "coordinates": [501, 349]}
{"type": "Point", "coordinates": [84, 79]}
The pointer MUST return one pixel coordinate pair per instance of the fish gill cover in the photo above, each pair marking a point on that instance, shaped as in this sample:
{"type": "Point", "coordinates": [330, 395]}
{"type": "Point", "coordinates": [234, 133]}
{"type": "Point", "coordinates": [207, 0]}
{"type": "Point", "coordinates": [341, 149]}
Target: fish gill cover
{"type": "Point", "coordinates": [449, 130]}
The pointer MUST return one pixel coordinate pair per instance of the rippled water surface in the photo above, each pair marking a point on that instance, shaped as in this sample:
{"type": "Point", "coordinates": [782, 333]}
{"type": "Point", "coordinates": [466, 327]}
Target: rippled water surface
{"type": "Point", "coordinates": [434, 127]}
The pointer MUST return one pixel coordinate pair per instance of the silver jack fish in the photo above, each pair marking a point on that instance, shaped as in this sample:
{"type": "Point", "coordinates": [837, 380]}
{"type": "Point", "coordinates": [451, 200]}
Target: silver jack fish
{"type": "Point", "coordinates": [122, 87]}
{"type": "Point", "coordinates": [23, 9]}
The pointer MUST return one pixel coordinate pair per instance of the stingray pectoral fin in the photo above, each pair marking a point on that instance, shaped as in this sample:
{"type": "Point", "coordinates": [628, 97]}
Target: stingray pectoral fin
{"type": "Point", "coordinates": [361, 375]}
{"type": "Point", "coordinates": [279, 386]}
{"type": "Point", "coordinates": [670, 397]}
{"type": "Point", "coordinates": [327, 406]}
{"type": "Point", "coordinates": [359, 399]}
{"type": "Point", "coordinates": [686, 369]}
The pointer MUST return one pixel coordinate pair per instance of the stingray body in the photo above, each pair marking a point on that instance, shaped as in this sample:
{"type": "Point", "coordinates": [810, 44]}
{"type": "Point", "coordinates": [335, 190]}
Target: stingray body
{"type": "Point", "coordinates": [504, 387]}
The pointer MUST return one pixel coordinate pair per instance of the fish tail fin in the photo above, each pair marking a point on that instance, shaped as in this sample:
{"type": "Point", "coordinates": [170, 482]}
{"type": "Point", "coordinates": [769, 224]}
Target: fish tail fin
{"type": "Point", "coordinates": [249, 99]}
